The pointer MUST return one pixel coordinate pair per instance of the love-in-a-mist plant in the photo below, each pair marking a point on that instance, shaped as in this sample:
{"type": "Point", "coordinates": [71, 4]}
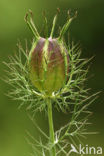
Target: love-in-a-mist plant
{"type": "Point", "coordinates": [52, 75]}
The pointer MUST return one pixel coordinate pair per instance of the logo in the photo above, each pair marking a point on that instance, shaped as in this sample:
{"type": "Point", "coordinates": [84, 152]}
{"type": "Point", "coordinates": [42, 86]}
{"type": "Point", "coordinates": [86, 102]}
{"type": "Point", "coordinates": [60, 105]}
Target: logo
{"type": "Point", "coordinates": [86, 150]}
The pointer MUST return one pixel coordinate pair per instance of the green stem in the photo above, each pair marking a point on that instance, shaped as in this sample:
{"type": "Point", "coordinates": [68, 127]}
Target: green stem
{"type": "Point", "coordinates": [31, 25]}
{"type": "Point", "coordinates": [51, 128]}
{"type": "Point", "coordinates": [65, 28]}
{"type": "Point", "coordinates": [53, 26]}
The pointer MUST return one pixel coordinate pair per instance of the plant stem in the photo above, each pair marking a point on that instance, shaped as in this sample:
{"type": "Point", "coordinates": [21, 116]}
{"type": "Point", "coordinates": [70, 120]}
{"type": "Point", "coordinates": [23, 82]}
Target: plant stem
{"type": "Point", "coordinates": [51, 128]}
{"type": "Point", "coordinates": [53, 27]}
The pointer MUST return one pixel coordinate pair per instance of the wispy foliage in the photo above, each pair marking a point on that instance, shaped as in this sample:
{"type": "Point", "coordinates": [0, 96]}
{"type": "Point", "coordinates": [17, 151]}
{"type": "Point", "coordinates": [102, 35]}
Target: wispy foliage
{"type": "Point", "coordinates": [73, 97]}
{"type": "Point", "coordinates": [18, 78]}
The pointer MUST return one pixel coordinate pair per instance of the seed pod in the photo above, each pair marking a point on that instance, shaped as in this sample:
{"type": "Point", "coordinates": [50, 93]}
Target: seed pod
{"type": "Point", "coordinates": [48, 65]}
{"type": "Point", "coordinates": [48, 60]}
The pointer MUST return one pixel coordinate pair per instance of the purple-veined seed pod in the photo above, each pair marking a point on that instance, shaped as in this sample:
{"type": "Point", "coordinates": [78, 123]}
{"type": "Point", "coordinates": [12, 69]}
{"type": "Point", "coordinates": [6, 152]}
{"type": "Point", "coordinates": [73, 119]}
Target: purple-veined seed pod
{"type": "Point", "coordinates": [48, 65]}
{"type": "Point", "coordinates": [48, 60]}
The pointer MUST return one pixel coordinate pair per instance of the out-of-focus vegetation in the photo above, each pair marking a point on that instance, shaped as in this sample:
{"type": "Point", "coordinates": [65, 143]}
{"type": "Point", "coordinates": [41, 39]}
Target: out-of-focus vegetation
{"type": "Point", "coordinates": [88, 28]}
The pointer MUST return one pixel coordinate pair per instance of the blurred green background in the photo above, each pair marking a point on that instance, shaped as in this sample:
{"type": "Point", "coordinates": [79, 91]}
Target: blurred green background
{"type": "Point", "coordinates": [88, 28]}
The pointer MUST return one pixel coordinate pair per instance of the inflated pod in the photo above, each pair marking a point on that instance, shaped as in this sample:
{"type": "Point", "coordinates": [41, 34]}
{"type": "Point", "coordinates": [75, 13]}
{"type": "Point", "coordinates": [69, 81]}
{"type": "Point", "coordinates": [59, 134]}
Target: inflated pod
{"type": "Point", "coordinates": [48, 60]}
{"type": "Point", "coordinates": [48, 65]}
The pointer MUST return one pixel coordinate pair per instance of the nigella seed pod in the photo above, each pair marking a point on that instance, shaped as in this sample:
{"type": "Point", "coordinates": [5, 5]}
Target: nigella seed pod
{"type": "Point", "coordinates": [48, 65]}
{"type": "Point", "coordinates": [48, 60]}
